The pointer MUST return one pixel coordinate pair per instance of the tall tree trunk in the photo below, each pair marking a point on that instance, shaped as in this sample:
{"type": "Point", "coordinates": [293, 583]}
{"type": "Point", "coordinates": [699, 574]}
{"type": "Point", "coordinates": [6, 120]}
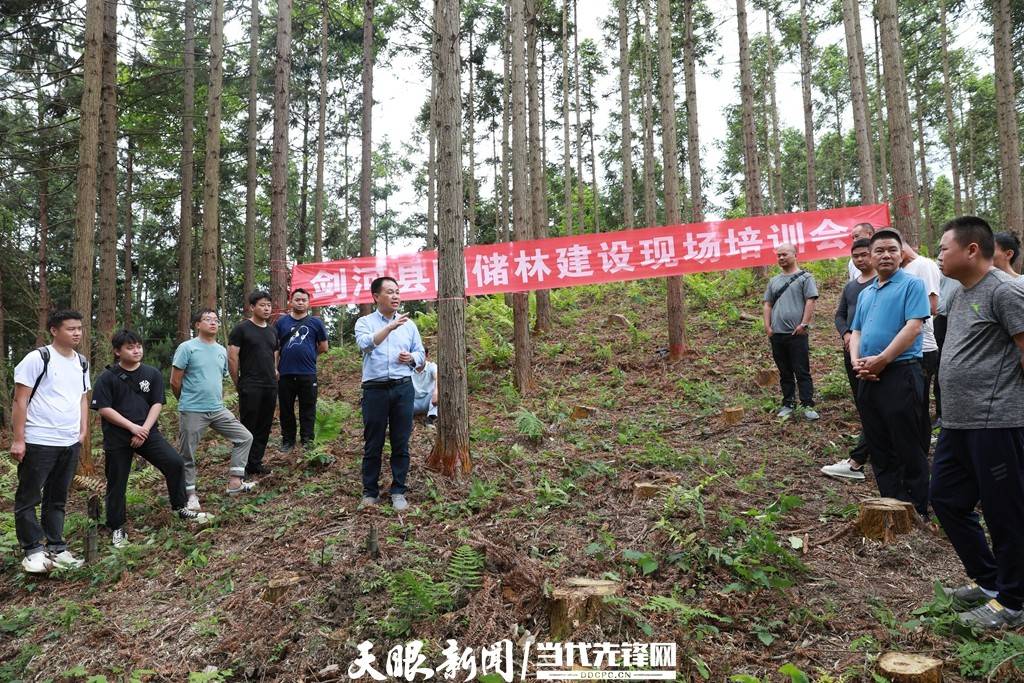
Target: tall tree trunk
{"type": "Point", "coordinates": [83, 259]}
{"type": "Point", "coordinates": [904, 184]}
{"type": "Point", "coordinates": [947, 93]}
{"type": "Point", "coordinates": [596, 201]}
{"type": "Point", "coordinates": [627, 130]}
{"type": "Point", "coordinates": [211, 168]}
{"type": "Point", "coordinates": [647, 80]}
{"type": "Point", "coordinates": [521, 212]}
{"type": "Point", "coordinates": [841, 151]}
{"type": "Point", "coordinates": [806, 58]}
{"type": "Point", "coordinates": [251, 170]}
{"type": "Point", "coordinates": [304, 186]}
{"type": "Point", "coordinates": [366, 133]}
{"type": "Point", "coordinates": [432, 155]}
{"type": "Point", "coordinates": [129, 230]}
{"type": "Point", "coordinates": [321, 140]}
{"type": "Point", "coordinates": [43, 179]}
{"type": "Point", "coordinates": [279, 159]}
{"type": "Point", "coordinates": [506, 124]}
{"type": "Point", "coordinates": [752, 170]}
{"type": "Point", "coordinates": [471, 229]}
{"type": "Point", "coordinates": [566, 146]}
{"type": "Point", "coordinates": [538, 184]}
{"type": "Point", "coordinates": [859, 101]}
{"type": "Point", "coordinates": [1011, 202]}
{"type": "Point", "coordinates": [692, 129]}
{"type": "Point", "coordinates": [580, 204]}
{"type": "Point", "coordinates": [106, 316]}
{"type": "Point", "coordinates": [922, 154]}
{"type": "Point", "coordinates": [775, 138]}
{"type": "Point", "coordinates": [5, 401]}
{"type": "Point", "coordinates": [450, 454]}
{"type": "Point", "coordinates": [185, 232]}
{"type": "Point", "coordinates": [883, 138]}
{"type": "Point", "coordinates": [677, 345]}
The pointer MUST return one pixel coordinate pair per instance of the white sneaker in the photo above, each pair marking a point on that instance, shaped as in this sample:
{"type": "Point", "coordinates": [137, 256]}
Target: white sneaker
{"type": "Point", "coordinates": [66, 560]}
{"type": "Point", "coordinates": [785, 412]}
{"type": "Point", "coordinates": [193, 516]}
{"type": "Point", "coordinates": [811, 414]}
{"type": "Point", "coordinates": [193, 502]}
{"type": "Point", "coordinates": [119, 539]}
{"type": "Point", "coordinates": [37, 563]}
{"type": "Point", "coordinates": [843, 470]}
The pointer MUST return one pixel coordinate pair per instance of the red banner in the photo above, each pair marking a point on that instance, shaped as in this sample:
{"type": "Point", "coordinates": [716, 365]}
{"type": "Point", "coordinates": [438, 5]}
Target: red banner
{"type": "Point", "coordinates": [597, 257]}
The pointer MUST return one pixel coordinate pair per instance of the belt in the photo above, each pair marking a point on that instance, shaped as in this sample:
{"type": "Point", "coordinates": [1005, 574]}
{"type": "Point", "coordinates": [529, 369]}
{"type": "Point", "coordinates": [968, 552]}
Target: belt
{"type": "Point", "coordinates": [908, 361]}
{"type": "Point", "coordinates": [385, 383]}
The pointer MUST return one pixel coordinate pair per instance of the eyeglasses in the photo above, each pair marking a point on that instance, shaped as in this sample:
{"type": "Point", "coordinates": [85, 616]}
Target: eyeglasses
{"type": "Point", "coordinates": [207, 319]}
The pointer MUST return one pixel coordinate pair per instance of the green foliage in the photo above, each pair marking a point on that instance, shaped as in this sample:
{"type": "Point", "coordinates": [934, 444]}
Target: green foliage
{"type": "Point", "coordinates": [834, 385]}
{"type": "Point", "coordinates": [481, 493]}
{"type": "Point", "coordinates": [754, 553]}
{"type": "Point", "coordinates": [645, 562]}
{"type": "Point", "coordinates": [529, 425]}
{"type": "Point", "coordinates": [795, 675]}
{"type": "Point", "coordinates": [684, 614]}
{"type": "Point", "coordinates": [980, 658]}
{"type": "Point", "coordinates": [214, 675]}
{"type": "Point", "coordinates": [426, 323]}
{"type": "Point", "coordinates": [494, 350]}
{"type": "Point", "coordinates": [331, 418]}
{"type": "Point", "coordinates": [413, 594]}
{"type": "Point", "coordinates": [15, 622]}
{"type": "Point", "coordinates": [465, 569]}
{"type": "Point", "coordinates": [550, 495]}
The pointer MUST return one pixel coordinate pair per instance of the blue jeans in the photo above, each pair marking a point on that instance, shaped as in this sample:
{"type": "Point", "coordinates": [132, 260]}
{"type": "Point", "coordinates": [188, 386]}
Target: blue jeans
{"type": "Point", "coordinates": [384, 408]}
{"type": "Point", "coordinates": [44, 476]}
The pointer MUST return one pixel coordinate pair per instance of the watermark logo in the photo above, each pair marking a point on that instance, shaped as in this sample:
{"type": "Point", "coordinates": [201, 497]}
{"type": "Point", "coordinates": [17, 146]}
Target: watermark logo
{"type": "Point", "coordinates": [500, 661]}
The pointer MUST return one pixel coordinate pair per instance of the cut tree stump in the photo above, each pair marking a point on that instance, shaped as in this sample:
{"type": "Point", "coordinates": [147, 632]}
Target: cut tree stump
{"type": "Point", "coordinates": [766, 377]}
{"type": "Point", "coordinates": [901, 667]}
{"type": "Point", "coordinates": [581, 412]}
{"type": "Point", "coordinates": [619, 319]}
{"type": "Point", "coordinates": [642, 490]}
{"type": "Point", "coordinates": [733, 415]}
{"type": "Point", "coordinates": [884, 519]}
{"type": "Point", "coordinates": [578, 601]}
{"type": "Point", "coordinates": [278, 586]}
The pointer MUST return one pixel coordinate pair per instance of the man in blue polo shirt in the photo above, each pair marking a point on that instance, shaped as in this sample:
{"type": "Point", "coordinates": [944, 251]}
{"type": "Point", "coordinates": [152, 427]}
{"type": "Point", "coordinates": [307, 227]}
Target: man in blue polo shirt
{"type": "Point", "coordinates": [302, 337]}
{"type": "Point", "coordinates": [885, 351]}
{"type": "Point", "coordinates": [392, 350]}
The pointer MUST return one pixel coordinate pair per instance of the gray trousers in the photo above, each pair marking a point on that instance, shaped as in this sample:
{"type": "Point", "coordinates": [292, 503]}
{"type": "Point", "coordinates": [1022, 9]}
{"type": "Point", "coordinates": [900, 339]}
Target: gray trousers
{"type": "Point", "coordinates": [191, 429]}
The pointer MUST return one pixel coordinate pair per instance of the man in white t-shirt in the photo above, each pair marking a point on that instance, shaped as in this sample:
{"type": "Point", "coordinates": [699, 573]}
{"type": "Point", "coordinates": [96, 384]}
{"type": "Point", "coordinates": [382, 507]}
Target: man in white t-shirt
{"type": "Point", "coordinates": [928, 271]}
{"type": "Point", "coordinates": [50, 412]}
{"type": "Point", "coordinates": [861, 231]}
{"type": "Point", "coordinates": [424, 384]}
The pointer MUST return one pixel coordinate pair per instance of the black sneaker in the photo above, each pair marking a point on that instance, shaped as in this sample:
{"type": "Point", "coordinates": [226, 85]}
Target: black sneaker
{"type": "Point", "coordinates": [287, 446]}
{"type": "Point", "coordinates": [193, 516]}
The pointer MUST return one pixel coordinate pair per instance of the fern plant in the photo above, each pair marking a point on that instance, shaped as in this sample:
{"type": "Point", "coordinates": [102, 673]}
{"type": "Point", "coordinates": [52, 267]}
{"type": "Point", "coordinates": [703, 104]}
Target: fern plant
{"type": "Point", "coordinates": [413, 595]}
{"type": "Point", "coordinates": [529, 425]}
{"type": "Point", "coordinates": [465, 569]}
{"type": "Point", "coordinates": [331, 417]}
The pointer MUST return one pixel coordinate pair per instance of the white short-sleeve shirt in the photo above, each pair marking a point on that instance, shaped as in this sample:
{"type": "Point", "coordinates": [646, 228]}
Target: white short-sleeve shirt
{"type": "Point", "coordinates": [55, 412]}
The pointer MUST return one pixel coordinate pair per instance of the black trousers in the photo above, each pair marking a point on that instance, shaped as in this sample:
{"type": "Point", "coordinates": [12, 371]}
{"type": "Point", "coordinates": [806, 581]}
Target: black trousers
{"type": "Point", "coordinates": [44, 476]}
{"type": "Point", "coordinates": [860, 453]}
{"type": "Point", "coordinates": [793, 359]}
{"type": "Point", "coordinates": [986, 466]}
{"type": "Point", "coordinates": [118, 465]}
{"type": "Point", "coordinates": [941, 324]}
{"type": "Point", "coordinates": [891, 414]}
{"type": "Point", "coordinates": [302, 387]}
{"type": "Point", "coordinates": [256, 411]}
{"type": "Point", "coordinates": [930, 370]}
{"type": "Point", "coordinates": [385, 408]}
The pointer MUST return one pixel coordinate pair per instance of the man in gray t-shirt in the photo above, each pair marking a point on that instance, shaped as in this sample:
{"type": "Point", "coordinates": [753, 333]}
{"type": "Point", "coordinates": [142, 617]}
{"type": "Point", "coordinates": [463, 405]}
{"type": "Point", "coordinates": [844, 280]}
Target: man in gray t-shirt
{"type": "Point", "coordinates": [788, 310]}
{"type": "Point", "coordinates": [980, 453]}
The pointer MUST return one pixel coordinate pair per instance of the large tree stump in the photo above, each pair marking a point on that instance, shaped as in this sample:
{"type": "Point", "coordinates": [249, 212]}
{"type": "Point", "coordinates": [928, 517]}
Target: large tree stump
{"type": "Point", "coordinates": [278, 586]}
{"type": "Point", "coordinates": [582, 412]}
{"type": "Point", "coordinates": [578, 601]}
{"type": "Point", "coordinates": [766, 377]}
{"type": "Point", "coordinates": [733, 415]}
{"type": "Point", "coordinates": [884, 519]}
{"type": "Point", "coordinates": [901, 667]}
{"type": "Point", "coordinates": [642, 490]}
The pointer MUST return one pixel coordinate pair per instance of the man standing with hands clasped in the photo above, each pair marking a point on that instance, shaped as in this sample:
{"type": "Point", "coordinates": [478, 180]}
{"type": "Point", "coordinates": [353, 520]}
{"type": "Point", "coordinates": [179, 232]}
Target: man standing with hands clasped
{"type": "Point", "coordinates": [788, 310]}
{"type": "Point", "coordinates": [252, 361]}
{"type": "Point", "coordinates": [980, 453]}
{"type": "Point", "coordinates": [885, 352]}
{"type": "Point", "coordinates": [392, 350]}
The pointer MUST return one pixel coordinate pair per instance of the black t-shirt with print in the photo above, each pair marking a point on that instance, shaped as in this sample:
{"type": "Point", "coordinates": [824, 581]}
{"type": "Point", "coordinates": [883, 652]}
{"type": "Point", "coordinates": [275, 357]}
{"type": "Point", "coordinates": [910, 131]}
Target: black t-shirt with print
{"type": "Point", "coordinates": [131, 394]}
{"type": "Point", "coordinates": [256, 348]}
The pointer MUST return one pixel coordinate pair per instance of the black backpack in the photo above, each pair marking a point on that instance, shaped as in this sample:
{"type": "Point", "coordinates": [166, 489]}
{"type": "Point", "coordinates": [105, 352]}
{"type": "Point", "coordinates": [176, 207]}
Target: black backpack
{"type": "Point", "coordinates": [45, 353]}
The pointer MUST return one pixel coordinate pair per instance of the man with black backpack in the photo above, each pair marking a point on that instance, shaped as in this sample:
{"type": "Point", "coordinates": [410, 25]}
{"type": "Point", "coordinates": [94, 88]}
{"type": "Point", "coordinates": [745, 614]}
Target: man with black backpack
{"type": "Point", "coordinates": [50, 413]}
{"type": "Point", "coordinates": [129, 397]}
{"type": "Point", "coordinates": [788, 309]}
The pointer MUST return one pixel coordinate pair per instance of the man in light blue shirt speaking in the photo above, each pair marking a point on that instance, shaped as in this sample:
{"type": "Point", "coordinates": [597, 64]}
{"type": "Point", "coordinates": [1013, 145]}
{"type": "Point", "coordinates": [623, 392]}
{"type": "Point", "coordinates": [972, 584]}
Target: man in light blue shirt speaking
{"type": "Point", "coordinates": [392, 350]}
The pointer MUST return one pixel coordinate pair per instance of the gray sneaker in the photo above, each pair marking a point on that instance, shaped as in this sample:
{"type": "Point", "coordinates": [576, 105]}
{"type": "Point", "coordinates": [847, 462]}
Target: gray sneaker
{"type": "Point", "coordinates": [368, 501]}
{"type": "Point", "coordinates": [785, 412]}
{"type": "Point", "coordinates": [811, 414]}
{"type": "Point", "coordinates": [969, 595]}
{"type": "Point", "coordinates": [399, 502]}
{"type": "Point", "coordinates": [991, 615]}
